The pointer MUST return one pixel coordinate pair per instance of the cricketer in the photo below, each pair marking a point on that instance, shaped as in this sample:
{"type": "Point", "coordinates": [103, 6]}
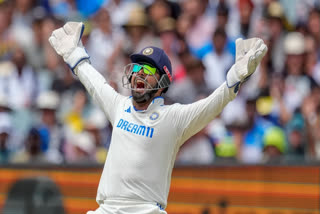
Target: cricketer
{"type": "Point", "coordinates": [147, 134]}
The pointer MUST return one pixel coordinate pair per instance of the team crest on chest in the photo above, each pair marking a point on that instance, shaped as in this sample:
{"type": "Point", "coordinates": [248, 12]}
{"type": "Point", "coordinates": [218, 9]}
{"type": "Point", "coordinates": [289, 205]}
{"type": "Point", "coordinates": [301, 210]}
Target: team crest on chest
{"type": "Point", "coordinates": [154, 116]}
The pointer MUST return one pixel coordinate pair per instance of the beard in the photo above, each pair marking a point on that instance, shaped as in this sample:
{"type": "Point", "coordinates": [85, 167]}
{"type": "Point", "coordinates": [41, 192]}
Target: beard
{"type": "Point", "coordinates": [143, 97]}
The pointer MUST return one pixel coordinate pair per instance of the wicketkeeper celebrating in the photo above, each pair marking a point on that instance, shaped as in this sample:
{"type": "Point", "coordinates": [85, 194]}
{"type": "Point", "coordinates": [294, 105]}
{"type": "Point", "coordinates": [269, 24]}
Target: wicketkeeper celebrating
{"type": "Point", "coordinates": [146, 133]}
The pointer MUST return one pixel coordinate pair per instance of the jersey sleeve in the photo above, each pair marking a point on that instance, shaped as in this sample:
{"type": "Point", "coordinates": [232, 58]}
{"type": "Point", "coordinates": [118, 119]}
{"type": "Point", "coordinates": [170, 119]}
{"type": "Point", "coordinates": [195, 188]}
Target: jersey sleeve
{"type": "Point", "coordinates": [193, 117]}
{"type": "Point", "coordinates": [102, 93]}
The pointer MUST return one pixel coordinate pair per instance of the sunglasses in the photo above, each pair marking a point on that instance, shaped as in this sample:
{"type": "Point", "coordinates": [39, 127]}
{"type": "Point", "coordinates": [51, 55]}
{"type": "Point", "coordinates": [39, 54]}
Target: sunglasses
{"type": "Point", "coordinates": [147, 69]}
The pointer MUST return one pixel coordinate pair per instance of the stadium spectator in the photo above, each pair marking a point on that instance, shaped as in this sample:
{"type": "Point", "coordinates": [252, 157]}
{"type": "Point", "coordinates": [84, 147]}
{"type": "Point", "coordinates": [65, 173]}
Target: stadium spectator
{"type": "Point", "coordinates": [105, 36]}
{"type": "Point", "coordinates": [246, 8]}
{"type": "Point", "coordinates": [274, 145]}
{"type": "Point", "coordinates": [50, 130]}
{"type": "Point", "coordinates": [253, 135]}
{"type": "Point", "coordinates": [297, 138]}
{"type": "Point", "coordinates": [81, 149]}
{"type": "Point", "coordinates": [193, 84]}
{"type": "Point", "coordinates": [313, 26]}
{"type": "Point", "coordinates": [19, 81]}
{"type": "Point", "coordinates": [6, 40]}
{"type": "Point", "coordinates": [275, 25]}
{"type": "Point", "coordinates": [198, 150]}
{"type": "Point", "coordinates": [166, 30]}
{"type": "Point", "coordinates": [310, 111]}
{"type": "Point", "coordinates": [98, 126]}
{"type": "Point", "coordinates": [74, 118]}
{"type": "Point", "coordinates": [138, 31]}
{"type": "Point", "coordinates": [201, 24]}
{"type": "Point", "coordinates": [31, 153]}
{"type": "Point", "coordinates": [218, 61]}
{"type": "Point", "coordinates": [297, 85]}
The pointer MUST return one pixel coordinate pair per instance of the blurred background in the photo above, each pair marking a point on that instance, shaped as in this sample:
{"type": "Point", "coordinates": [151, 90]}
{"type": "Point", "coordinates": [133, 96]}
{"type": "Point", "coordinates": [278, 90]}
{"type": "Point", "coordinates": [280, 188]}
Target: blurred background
{"type": "Point", "coordinates": [264, 146]}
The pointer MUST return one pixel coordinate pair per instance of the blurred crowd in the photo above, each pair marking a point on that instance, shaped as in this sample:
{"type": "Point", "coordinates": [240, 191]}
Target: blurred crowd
{"type": "Point", "coordinates": [46, 116]}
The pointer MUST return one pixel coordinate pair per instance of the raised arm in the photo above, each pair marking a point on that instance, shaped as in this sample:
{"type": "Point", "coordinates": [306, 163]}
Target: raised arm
{"type": "Point", "coordinates": [66, 41]}
{"type": "Point", "coordinates": [194, 117]}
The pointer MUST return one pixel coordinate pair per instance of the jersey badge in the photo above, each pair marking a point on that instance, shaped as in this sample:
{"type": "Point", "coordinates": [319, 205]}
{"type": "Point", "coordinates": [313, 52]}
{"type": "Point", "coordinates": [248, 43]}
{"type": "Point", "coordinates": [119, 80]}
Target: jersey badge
{"type": "Point", "coordinates": [154, 116]}
{"type": "Point", "coordinates": [147, 51]}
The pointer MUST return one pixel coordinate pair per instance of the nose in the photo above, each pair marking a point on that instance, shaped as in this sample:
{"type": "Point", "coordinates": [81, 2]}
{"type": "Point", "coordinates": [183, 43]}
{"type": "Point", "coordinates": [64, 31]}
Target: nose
{"type": "Point", "coordinates": [141, 72]}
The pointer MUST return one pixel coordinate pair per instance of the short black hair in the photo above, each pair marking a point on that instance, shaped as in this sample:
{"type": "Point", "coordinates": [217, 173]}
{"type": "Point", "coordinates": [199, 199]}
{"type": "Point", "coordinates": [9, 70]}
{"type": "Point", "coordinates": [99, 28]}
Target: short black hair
{"type": "Point", "coordinates": [222, 10]}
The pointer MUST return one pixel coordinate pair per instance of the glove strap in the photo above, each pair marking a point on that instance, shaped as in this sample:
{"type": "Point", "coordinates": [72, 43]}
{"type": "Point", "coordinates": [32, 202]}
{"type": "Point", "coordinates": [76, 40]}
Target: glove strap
{"type": "Point", "coordinates": [78, 55]}
{"type": "Point", "coordinates": [233, 80]}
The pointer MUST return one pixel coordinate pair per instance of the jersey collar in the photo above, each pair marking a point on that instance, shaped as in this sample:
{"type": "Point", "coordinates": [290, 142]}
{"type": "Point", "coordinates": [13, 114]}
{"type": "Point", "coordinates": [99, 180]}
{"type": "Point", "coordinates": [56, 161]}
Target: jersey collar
{"type": "Point", "coordinates": [157, 101]}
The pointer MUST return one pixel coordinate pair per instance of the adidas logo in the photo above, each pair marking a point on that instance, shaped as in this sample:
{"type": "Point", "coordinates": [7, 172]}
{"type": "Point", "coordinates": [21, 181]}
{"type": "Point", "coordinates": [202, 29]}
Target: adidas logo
{"type": "Point", "coordinates": [128, 110]}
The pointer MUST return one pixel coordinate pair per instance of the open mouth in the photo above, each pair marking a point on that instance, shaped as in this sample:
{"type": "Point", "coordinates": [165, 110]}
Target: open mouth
{"type": "Point", "coordinates": [140, 86]}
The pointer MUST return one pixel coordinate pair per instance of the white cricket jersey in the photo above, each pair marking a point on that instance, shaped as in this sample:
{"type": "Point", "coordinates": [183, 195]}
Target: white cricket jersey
{"type": "Point", "coordinates": [144, 144]}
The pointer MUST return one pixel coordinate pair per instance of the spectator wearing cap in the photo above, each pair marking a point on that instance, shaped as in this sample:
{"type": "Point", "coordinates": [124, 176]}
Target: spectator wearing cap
{"type": "Point", "coordinates": [274, 16]}
{"type": "Point", "coordinates": [50, 130]}
{"type": "Point", "coordinates": [138, 31]}
{"type": "Point", "coordinates": [274, 145]}
{"type": "Point", "coordinates": [297, 85]}
{"type": "Point", "coordinates": [81, 148]}
{"type": "Point", "coordinates": [137, 34]}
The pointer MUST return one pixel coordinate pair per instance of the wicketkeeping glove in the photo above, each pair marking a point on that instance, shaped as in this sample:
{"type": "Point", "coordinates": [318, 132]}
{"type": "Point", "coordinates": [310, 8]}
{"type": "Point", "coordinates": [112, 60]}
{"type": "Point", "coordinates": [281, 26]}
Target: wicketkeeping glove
{"type": "Point", "coordinates": [249, 54]}
{"type": "Point", "coordinates": [66, 41]}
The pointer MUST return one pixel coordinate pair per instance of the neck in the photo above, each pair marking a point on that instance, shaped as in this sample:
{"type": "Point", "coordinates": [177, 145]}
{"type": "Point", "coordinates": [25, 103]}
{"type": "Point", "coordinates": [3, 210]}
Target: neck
{"type": "Point", "coordinates": [142, 106]}
{"type": "Point", "coordinates": [142, 102]}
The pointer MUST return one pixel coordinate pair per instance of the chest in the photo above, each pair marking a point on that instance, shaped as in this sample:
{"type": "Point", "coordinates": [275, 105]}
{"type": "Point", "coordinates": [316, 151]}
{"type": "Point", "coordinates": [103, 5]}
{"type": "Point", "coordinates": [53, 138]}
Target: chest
{"type": "Point", "coordinates": [149, 129]}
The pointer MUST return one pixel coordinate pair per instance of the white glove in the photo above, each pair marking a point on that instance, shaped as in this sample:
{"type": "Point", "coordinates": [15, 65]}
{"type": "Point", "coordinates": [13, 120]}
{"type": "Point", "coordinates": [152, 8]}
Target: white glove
{"type": "Point", "coordinates": [249, 53]}
{"type": "Point", "coordinates": [66, 41]}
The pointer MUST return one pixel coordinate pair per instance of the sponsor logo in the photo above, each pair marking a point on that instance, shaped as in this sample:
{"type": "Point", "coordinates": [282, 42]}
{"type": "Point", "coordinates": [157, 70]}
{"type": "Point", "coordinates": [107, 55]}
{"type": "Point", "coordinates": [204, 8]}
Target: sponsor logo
{"type": "Point", "coordinates": [128, 110]}
{"type": "Point", "coordinates": [135, 128]}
